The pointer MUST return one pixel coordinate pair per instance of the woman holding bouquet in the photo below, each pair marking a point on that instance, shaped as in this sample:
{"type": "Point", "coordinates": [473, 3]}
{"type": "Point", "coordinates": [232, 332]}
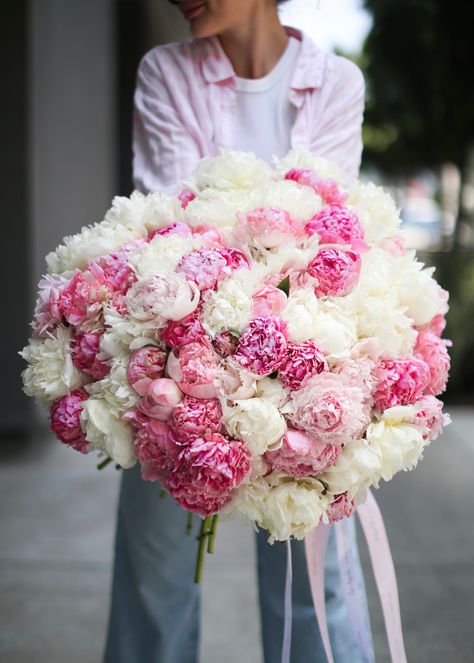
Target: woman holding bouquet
{"type": "Point", "coordinates": [246, 82]}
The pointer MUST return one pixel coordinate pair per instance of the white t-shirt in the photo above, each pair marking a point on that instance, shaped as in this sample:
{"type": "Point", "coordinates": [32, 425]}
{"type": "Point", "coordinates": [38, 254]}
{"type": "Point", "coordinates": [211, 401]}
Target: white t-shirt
{"type": "Point", "coordinates": [265, 114]}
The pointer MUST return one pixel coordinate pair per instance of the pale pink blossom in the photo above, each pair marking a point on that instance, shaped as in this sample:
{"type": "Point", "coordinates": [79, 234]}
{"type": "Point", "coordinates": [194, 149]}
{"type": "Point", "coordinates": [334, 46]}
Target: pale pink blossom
{"type": "Point", "coordinates": [178, 333]}
{"type": "Point", "coordinates": [271, 227]}
{"type": "Point", "coordinates": [225, 343]}
{"type": "Point", "coordinates": [85, 355]}
{"type": "Point", "coordinates": [194, 417]}
{"type": "Point", "coordinates": [303, 360]}
{"type": "Point", "coordinates": [206, 473]}
{"type": "Point", "coordinates": [145, 365]}
{"type": "Point", "coordinates": [161, 397]}
{"type": "Point", "coordinates": [395, 246]}
{"type": "Point", "coordinates": [400, 382]}
{"type": "Point", "coordinates": [262, 345]}
{"type": "Point", "coordinates": [337, 225]}
{"type": "Point", "coordinates": [211, 235]}
{"type": "Point", "coordinates": [325, 187]}
{"type": "Point", "coordinates": [236, 382]}
{"type": "Point", "coordinates": [175, 228]}
{"type": "Point", "coordinates": [268, 300]}
{"type": "Point", "coordinates": [433, 350]}
{"type": "Point", "coordinates": [195, 369]}
{"type": "Point", "coordinates": [329, 408]}
{"type": "Point", "coordinates": [430, 418]}
{"type": "Point", "coordinates": [206, 266]}
{"type": "Point", "coordinates": [436, 325]}
{"type": "Point", "coordinates": [335, 270]}
{"type": "Point", "coordinates": [341, 507]}
{"type": "Point", "coordinates": [65, 419]}
{"type": "Point", "coordinates": [301, 455]}
{"type": "Point", "coordinates": [162, 298]}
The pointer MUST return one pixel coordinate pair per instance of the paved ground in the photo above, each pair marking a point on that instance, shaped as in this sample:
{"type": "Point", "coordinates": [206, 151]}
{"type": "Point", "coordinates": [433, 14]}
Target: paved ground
{"type": "Point", "coordinates": [57, 520]}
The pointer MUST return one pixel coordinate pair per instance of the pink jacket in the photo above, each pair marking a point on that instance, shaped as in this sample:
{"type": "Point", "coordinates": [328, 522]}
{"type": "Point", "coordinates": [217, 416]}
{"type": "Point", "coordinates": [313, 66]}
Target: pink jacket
{"type": "Point", "coordinates": [184, 108]}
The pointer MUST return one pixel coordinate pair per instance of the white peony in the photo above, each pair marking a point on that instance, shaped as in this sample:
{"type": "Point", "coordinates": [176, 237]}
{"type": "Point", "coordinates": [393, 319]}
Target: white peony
{"type": "Point", "coordinates": [301, 202]}
{"type": "Point", "coordinates": [301, 314]}
{"type": "Point", "coordinates": [219, 209]}
{"type": "Point", "coordinates": [144, 213]}
{"type": "Point", "coordinates": [293, 508]}
{"type": "Point", "coordinates": [230, 170]}
{"type": "Point", "coordinates": [272, 390]}
{"type": "Point", "coordinates": [50, 373]}
{"type": "Point", "coordinates": [157, 298]}
{"type": "Point", "coordinates": [256, 421]}
{"type": "Point", "coordinates": [376, 210]}
{"type": "Point", "coordinates": [300, 159]}
{"type": "Point", "coordinates": [115, 388]}
{"type": "Point", "coordinates": [417, 290]}
{"type": "Point", "coordinates": [229, 308]}
{"type": "Point", "coordinates": [400, 445]}
{"type": "Point", "coordinates": [334, 329]}
{"type": "Point", "coordinates": [163, 253]}
{"type": "Point", "coordinates": [123, 333]}
{"type": "Point", "coordinates": [92, 242]}
{"type": "Point", "coordinates": [106, 432]}
{"type": "Point", "coordinates": [354, 470]}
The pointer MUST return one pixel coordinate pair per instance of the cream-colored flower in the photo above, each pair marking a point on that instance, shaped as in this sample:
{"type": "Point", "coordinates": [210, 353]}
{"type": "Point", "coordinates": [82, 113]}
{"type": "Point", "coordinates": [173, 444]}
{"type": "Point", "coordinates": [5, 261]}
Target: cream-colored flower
{"type": "Point", "coordinates": [115, 388]}
{"type": "Point", "coordinates": [229, 308]}
{"type": "Point", "coordinates": [231, 170]}
{"type": "Point", "coordinates": [376, 210]}
{"type": "Point", "coordinates": [106, 432]}
{"type": "Point", "coordinates": [301, 314]}
{"type": "Point", "coordinates": [50, 373]}
{"type": "Point", "coordinates": [162, 254]}
{"type": "Point", "coordinates": [256, 421]}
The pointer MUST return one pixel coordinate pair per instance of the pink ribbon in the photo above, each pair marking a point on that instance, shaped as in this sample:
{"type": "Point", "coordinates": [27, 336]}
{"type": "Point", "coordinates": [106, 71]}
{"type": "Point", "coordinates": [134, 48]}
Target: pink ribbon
{"type": "Point", "coordinates": [385, 578]}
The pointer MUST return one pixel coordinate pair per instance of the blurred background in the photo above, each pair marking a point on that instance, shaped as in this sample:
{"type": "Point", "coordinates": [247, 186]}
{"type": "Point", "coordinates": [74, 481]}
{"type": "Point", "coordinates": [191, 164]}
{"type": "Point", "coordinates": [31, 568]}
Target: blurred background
{"type": "Point", "coordinates": [68, 69]}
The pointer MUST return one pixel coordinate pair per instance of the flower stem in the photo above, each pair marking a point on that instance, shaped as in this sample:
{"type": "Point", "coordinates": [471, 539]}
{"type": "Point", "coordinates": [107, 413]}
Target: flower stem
{"type": "Point", "coordinates": [212, 533]}
{"type": "Point", "coordinates": [162, 493]}
{"type": "Point", "coordinates": [189, 527]}
{"type": "Point", "coordinates": [104, 463]}
{"type": "Point", "coordinates": [203, 535]}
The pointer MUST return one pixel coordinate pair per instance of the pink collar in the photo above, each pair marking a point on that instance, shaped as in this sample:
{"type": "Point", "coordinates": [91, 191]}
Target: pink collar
{"type": "Point", "coordinates": [216, 66]}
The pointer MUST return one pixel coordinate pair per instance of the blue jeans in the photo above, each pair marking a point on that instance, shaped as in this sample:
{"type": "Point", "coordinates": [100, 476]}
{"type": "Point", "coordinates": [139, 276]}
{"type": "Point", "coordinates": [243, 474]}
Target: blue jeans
{"type": "Point", "coordinates": [155, 606]}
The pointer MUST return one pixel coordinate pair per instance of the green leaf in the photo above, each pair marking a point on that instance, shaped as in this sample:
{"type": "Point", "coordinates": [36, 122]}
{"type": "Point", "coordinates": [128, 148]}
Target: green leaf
{"type": "Point", "coordinates": [285, 285]}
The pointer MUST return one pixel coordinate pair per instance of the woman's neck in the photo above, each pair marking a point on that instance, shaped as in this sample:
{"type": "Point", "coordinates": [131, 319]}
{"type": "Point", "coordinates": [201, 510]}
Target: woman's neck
{"type": "Point", "coordinates": [255, 47]}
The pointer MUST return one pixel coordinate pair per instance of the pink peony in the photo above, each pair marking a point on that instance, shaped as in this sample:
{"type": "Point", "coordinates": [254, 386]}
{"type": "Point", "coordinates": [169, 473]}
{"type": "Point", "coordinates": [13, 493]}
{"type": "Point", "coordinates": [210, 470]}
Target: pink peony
{"type": "Point", "coordinates": [155, 449]}
{"type": "Point", "coordinates": [185, 196]}
{"type": "Point", "coordinates": [430, 419]}
{"type": "Point", "coordinates": [145, 365]}
{"type": "Point", "coordinates": [225, 343]}
{"type": "Point", "coordinates": [84, 296]}
{"type": "Point", "coordinates": [176, 228]}
{"type": "Point", "coordinates": [209, 234]}
{"type": "Point", "coordinates": [194, 417]}
{"type": "Point", "coordinates": [65, 419]}
{"type": "Point", "coordinates": [268, 300]}
{"type": "Point", "coordinates": [337, 225]}
{"type": "Point", "coordinates": [336, 271]}
{"type": "Point", "coordinates": [161, 397]}
{"type": "Point", "coordinates": [341, 507]}
{"type": "Point", "coordinates": [206, 473]}
{"type": "Point", "coordinates": [117, 272]}
{"type": "Point", "coordinates": [262, 345]}
{"type": "Point", "coordinates": [326, 187]}
{"type": "Point", "coordinates": [303, 360]}
{"type": "Point", "coordinates": [432, 350]}
{"type": "Point", "coordinates": [195, 369]}
{"type": "Point", "coordinates": [206, 266]}
{"type": "Point", "coordinates": [47, 312]}
{"type": "Point", "coordinates": [400, 382]}
{"type": "Point", "coordinates": [272, 227]}
{"type": "Point", "coordinates": [329, 408]}
{"type": "Point", "coordinates": [301, 456]}
{"type": "Point", "coordinates": [85, 351]}
{"type": "Point", "coordinates": [436, 325]}
{"type": "Point", "coordinates": [178, 333]}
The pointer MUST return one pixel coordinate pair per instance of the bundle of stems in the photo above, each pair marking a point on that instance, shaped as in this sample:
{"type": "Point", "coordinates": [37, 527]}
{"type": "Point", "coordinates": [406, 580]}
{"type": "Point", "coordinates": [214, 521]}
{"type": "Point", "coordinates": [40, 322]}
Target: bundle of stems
{"type": "Point", "coordinates": [206, 538]}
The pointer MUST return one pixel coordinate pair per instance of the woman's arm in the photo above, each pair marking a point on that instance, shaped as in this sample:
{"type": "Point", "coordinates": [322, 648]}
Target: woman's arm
{"type": "Point", "coordinates": [163, 149]}
{"type": "Point", "coordinates": [338, 135]}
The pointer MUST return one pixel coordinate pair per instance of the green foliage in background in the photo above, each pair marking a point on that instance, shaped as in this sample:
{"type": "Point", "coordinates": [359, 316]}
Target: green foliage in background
{"type": "Point", "coordinates": [418, 61]}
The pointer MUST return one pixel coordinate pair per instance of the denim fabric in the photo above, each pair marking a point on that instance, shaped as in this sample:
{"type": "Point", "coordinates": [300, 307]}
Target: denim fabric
{"type": "Point", "coordinates": [155, 605]}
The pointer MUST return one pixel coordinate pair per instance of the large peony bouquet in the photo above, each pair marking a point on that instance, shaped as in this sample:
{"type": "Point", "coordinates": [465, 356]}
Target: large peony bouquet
{"type": "Point", "coordinates": [260, 342]}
